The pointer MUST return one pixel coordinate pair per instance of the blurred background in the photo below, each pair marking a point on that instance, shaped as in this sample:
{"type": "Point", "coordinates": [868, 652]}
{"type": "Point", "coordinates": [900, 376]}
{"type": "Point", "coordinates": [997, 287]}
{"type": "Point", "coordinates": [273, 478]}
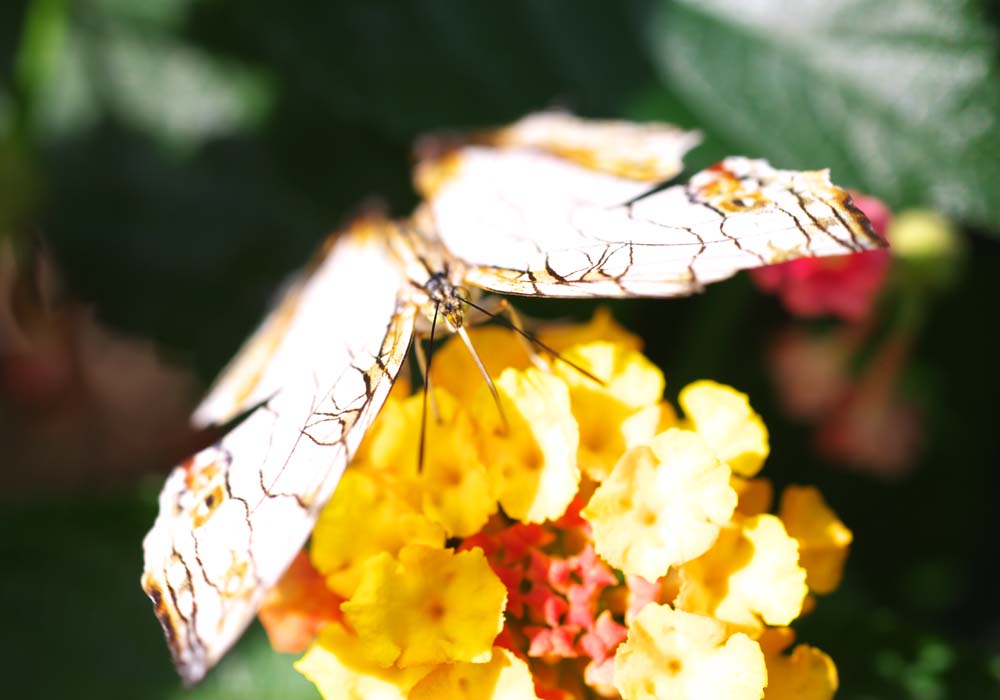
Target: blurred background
{"type": "Point", "coordinates": [164, 164]}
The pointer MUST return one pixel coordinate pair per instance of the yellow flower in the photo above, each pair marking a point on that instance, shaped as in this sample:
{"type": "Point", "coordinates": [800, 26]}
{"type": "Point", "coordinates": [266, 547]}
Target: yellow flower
{"type": "Point", "coordinates": [750, 574]}
{"type": "Point", "coordinates": [454, 484]}
{"type": "Point", "coordinates": [500, 348]}
{"type": "Point", "coordinates": [806, 674]}
{"type": "Point", "coordinates": [428, 606]}
{"type": "Point", "coordinates": [662, 505]}
{"type": "Point", "coordinates": [390, 522]}
{"type": "Point", "coordinates": [338, 667]}
{"type": "Point", "coordinates": [453, 488]}
{"type": "Point", "coordinates": [623, 412]}
{"type": "Point", "coordinates": [454, 369]}
{"type": "Point", "coordinates": [601, 326]}
{"type": "Point", "coordinates": [505, 677]}
{"type": "Point", "coordinates": [533, 459]}
{"type": "Point", "coordinates": [724, 418]}
{"type": "Point", "coordinates": [388, 444]}
{"type": "Point", "coordinates": [674, 654]}
{"type": "Point", "coordinates": [823, 538]}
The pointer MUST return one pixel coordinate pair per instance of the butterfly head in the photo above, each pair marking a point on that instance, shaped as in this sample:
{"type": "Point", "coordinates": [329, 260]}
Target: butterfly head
{"type": "Point", "coordinates": [444, 299]}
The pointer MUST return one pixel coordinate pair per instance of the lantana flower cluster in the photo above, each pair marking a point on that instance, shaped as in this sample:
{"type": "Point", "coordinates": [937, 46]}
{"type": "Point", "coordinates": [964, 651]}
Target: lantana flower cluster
{"type": "Point", "coordinates": [589, 541]}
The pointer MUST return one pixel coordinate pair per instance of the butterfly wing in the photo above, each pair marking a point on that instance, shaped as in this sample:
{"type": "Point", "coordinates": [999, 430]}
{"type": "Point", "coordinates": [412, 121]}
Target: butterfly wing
{"type": "Point", "coordinates": [649, 152]}
{"type": "Point", "coordinates": [233, 516]}
{"type": "Point", "coordinates": [527, 220]}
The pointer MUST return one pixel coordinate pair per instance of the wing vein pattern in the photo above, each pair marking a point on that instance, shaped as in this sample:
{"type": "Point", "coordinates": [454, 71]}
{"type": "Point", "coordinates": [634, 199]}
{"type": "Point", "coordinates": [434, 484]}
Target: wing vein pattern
{"type": "Point", "coordinates": [228, 528]}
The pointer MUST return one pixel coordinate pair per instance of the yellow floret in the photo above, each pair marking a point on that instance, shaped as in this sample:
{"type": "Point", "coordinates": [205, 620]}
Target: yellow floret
{"type": "Point", "coordinates": [750, 574]}
{"type": "Point", "coordinates": [806, 674]}
{"type": "Point", "coordinates": [674, 654]}
{"type": "Point", "coordinates": [505, 677]}
{"type": "Point", "coordinates": [532, 460]}
{"type": "Point", "coordinates": [623, 412]}
{"type": "Point", "coordinates": [390, 522]}
{"type": "Point", "coordinates": [453, 488]}
{"type": "Point", "coordinates": [429, 606]}
{"type": "Point", "coordinates": [338, 667]}
{"type": "Point", "coordinates": [454, 368]}
{"type": "Point", "coordinates": [454, 484]}
{"type": "Point", "coordinates": [823, 538]}
{"type": "Point", "coordinates": [601, 326]}
{"type": "Point", "coordinates": [756, 495]}
{"type": "Point", "coordinates": [388, 444]}
{"type": "Point", "coordinates": [724, 418]}
{"type": "Point", "coordinates": [662, 505]}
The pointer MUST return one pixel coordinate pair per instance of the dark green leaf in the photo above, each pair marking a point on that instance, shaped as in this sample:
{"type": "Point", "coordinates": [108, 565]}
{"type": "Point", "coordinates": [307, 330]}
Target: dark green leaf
{"type": "Point", "coordinates": [898, 98]}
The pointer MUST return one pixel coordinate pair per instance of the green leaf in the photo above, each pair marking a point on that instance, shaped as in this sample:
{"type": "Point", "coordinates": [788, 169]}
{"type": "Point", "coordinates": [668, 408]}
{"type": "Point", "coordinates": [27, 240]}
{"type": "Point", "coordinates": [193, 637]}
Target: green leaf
{"type": "Point", "coordinates": [899, 98]}
{"type": "Point", "coordinates": [122, 60]}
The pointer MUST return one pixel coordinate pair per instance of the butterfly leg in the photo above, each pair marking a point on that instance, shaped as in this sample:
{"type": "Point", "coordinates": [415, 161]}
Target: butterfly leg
{"type": "Point", "coordinates": [532, 343]}
{"type": "Point", "coordinates": [418, 350]}
{"type": "Point", "coordinates": [499, 306]}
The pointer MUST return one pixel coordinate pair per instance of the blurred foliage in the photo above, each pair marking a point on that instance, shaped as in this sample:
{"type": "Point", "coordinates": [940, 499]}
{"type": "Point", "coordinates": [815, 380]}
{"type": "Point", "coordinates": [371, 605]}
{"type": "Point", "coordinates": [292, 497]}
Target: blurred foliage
{"type": "Point", "coordinates": [182, 157]}
{"type": "Point", "coordinates": [899, 98]}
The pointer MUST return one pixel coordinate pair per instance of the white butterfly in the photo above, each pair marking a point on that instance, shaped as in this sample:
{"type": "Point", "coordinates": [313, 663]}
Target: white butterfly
{"type": "Point", "coordinates": [550, 206]}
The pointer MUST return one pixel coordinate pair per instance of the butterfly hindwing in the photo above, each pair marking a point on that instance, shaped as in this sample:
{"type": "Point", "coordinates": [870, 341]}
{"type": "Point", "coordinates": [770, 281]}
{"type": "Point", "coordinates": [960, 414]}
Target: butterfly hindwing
{"type": "Point", "coordinates": [233, 516]}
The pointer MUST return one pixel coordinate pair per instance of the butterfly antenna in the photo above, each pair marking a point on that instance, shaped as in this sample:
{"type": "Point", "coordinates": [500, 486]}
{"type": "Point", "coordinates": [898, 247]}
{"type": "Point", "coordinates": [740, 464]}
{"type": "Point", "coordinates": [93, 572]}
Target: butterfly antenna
{"type": "Point", "coordinates": [529, 337]}
{"type": "Point", "coordinates": [464, 335]}
{"type": "Point", "coordinates": [427, 385]}
{"type": "Point", "coordinates": [680, 177]}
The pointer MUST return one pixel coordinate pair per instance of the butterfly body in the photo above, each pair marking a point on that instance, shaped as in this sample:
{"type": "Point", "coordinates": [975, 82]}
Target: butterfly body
{"type": "Point", "coordinates": [551, 206]}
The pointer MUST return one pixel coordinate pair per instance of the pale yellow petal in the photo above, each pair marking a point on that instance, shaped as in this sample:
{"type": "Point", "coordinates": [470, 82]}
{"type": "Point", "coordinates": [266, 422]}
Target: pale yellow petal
{"type": "Point", "coordinates": [823, 539]}
{"type": "Point", "coordinates": [723, 416]}
{"type": "Point", "coordinates": [532, 459]}
{"type": "Point", "coordinates": [751, 575]}
{"type": "Point", "coordinates": [673, 654]}
{"type": "Point", "coordinates": [340, 671]}
{"type": "Point", "coordinates": [504, 677]}
{"type": "Point", "coordinates": [662, 505]}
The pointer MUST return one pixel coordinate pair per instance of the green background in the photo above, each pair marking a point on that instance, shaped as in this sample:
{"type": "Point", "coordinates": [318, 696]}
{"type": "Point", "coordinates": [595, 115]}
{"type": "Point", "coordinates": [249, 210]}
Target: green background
{"type": "Point", "coordinates": [182, 157]}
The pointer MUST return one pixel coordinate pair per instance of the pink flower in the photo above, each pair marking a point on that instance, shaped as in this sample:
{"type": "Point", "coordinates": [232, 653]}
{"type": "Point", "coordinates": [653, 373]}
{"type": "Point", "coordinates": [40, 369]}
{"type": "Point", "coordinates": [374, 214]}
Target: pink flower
{"type": "Point", "coordinates": [845, 286]}
{"type": "Point", "coordinates": [548, 641]}
{"type": "Point", "coordinates": [600, 642]}
{"type": "Point", "coordinates": [811, 371]}
{"type": "Point", "coordinates": [872, 428]}
{"type": "Point", "coordinates": [641, 593]}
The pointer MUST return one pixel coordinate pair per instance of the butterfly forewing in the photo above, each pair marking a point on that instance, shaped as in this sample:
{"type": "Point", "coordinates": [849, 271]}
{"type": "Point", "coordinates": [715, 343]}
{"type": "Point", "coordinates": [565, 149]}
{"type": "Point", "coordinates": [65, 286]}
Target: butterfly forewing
{"type": "Point", "coordinates": [525, 221]}
{"type": "Point", "coordinates": [233, 516]}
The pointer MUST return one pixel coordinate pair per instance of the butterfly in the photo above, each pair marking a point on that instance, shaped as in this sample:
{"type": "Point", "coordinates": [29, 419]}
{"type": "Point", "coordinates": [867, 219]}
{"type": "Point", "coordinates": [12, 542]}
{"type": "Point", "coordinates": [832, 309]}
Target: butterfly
{"type": "Point", "coordinates": [551, 206]}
